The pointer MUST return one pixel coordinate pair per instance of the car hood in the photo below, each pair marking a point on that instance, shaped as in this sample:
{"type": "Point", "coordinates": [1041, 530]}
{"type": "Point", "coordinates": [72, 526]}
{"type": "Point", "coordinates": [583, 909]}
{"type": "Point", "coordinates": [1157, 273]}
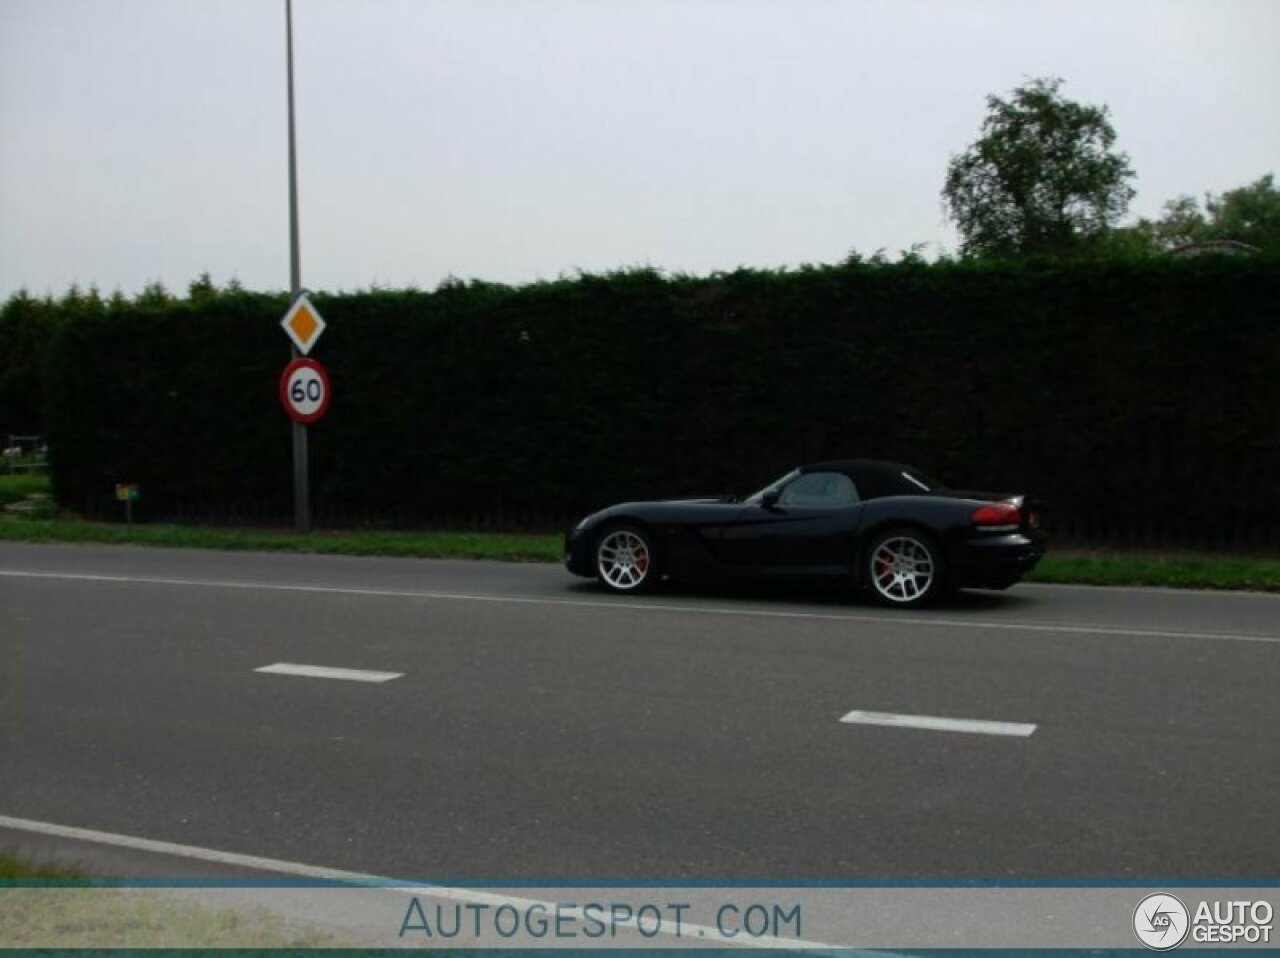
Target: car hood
{"type": "Point", "coordinates": [664, 509]}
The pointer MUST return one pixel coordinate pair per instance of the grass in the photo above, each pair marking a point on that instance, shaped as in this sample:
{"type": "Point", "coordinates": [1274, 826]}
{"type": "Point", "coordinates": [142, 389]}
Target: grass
{"type": "Point", "coordinates": [1172, 570]}
{"type": "Point", "coordinates": [97, 918]}
{"type": "Point", "coordinates": [48, 914]}
{"type": "Point", "coordinates": [16, 487]}
{"type": "Point", "coordinates": [431, 545]}
{"type": "Point", "coordinates": [14, 869]}
{"type": "Point", "coordinates": [1066, 566]}
{"type": "Point", "coordinates": [437, 545]}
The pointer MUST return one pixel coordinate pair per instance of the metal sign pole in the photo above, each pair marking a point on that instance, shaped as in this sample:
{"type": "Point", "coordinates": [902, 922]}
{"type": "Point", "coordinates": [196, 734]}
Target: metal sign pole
{"type": "Point", "coordinates": [301, 490]}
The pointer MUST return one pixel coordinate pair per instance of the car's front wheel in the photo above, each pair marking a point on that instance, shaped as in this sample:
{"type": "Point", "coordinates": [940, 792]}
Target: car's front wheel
{"type": "Point", "coordinates": [904, 568]}
{"type": "Point", "coordinates": [625, 560]}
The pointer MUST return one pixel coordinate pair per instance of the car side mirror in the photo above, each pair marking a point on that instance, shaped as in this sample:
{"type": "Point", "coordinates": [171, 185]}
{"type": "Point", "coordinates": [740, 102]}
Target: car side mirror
{"type": "Point", "coordinates": [770, 499]}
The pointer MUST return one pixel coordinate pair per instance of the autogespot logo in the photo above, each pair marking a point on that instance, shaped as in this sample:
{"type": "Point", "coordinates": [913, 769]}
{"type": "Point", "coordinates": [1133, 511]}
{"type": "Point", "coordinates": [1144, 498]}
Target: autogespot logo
{"type": "Point", "coordinates": [1161, 922]}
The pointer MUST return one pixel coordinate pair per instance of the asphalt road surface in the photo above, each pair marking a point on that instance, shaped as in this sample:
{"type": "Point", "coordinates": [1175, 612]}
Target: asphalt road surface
{"type": "Point", "coordinates": [528, 726]}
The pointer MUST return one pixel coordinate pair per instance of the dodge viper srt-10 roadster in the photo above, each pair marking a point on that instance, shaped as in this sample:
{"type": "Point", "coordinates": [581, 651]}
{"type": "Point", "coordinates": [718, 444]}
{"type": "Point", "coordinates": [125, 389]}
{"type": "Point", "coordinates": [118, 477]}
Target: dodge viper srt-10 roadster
{"type": "Point", "coordinates": [882, 527]}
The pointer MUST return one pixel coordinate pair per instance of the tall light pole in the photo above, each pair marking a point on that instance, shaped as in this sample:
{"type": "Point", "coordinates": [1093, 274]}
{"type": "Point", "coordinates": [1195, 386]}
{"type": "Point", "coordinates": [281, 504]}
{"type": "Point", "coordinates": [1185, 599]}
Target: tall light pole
{"type": "Point", "coordinates": [301, 491]}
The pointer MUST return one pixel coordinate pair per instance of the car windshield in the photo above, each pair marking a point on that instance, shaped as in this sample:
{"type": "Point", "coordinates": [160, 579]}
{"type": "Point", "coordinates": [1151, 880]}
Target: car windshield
{"type": "Point", "coordinates": [756, 497]}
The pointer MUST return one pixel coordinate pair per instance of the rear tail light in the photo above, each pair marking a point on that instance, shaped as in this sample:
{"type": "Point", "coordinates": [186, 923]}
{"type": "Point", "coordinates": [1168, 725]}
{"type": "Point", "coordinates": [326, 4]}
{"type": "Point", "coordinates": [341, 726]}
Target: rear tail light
{"type": "Point", "coordinates": [997, 517]}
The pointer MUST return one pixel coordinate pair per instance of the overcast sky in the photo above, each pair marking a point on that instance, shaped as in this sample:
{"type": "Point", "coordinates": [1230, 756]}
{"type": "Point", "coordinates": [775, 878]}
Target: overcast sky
{"type": "Point", "coordinates": [512, 140]}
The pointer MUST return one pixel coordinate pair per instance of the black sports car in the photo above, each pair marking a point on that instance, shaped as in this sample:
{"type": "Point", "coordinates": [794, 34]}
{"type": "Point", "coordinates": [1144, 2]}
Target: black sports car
{"type": "Point", "coordinates": [882, 526]}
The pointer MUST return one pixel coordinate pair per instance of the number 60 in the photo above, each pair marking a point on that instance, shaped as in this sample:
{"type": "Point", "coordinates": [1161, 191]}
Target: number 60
{"type": "Point", "coordinates": [302, 391]}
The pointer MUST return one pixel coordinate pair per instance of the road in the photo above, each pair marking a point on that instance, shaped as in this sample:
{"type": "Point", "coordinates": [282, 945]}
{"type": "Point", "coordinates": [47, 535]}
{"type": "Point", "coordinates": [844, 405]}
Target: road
{"type": "Point", "coordinates": [537, 728]}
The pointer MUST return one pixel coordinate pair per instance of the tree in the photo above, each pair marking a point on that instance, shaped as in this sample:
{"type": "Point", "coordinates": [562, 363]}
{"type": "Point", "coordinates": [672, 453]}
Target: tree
{"type": "Point", "coordinates": [202, 288]}
{"type": "Point", "coordinates": [1181, 223]}
{"type": "Point", "coordinates": [1043, 178]}
{"type": "Point", "coordinates": [1249, 214]}
{"type": "Point", "coordinates": [153, 294]}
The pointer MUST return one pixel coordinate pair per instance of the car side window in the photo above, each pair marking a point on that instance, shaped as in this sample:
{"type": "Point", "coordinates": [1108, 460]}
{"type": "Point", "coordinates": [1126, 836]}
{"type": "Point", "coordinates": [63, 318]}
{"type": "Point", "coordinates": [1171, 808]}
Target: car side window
{"type": "Point", "coordinates": [820, 489]}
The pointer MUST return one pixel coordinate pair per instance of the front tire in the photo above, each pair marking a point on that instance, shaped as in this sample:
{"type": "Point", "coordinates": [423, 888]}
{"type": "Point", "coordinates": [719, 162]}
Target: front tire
{"type": "Point", "coordinates": [625, 560]}
{"type": "Point", "coordinates": [904, 568]}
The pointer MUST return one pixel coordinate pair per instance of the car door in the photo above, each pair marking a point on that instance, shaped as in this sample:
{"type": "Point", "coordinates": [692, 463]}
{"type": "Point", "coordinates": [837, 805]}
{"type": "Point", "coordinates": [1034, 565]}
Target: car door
{"type": "Point", "coordinates": [815, 517]}
{"type": "Point", "coordinates": [737, 538]}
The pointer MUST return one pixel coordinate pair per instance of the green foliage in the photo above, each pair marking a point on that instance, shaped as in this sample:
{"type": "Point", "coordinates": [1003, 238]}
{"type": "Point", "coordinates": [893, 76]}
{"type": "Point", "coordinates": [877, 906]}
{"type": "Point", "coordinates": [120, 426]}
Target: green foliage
{"type": "Point", "coordinates": [202, 287]}
{"type": "Point", "coordinates": [17, 487]}
{"type": "Point", "coordinates": [1250, 214]}
{"type": "Point", "coordinates": [27, 326]}
{"type": "Point", "coordinates": [1181, 224]}
{"type": "Point", "coordinates": [1139, 398]}
{"type": "Point", "coordinates": [433, 545]}
{"type": "Point", "coordinates": [1178, 571]}
{"type": "Point", "coordinates": [16, 869]}
{"type": "Point", "coordinates": [154, 294]}
{"type": "Point", "coordinates": [151, 390]}
{"type": "Point", "coordinates": [1042, 179]}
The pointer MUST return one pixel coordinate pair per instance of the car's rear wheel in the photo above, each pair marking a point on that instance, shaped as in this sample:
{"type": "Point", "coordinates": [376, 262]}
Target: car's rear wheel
{"type": "Point", "coordinates": [625, 560]}
{"type": "Point", "coordinates": [904, 568]}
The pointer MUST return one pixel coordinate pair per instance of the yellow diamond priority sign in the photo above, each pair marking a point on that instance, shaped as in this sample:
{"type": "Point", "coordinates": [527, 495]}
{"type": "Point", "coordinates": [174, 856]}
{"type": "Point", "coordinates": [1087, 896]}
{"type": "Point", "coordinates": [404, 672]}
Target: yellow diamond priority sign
{"type": "Point", "coordinates": [303, 324]}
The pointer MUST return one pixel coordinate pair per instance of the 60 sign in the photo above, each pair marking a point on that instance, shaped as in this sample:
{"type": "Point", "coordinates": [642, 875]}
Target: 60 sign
{"type": "Point", "coordinates": [304, 390]}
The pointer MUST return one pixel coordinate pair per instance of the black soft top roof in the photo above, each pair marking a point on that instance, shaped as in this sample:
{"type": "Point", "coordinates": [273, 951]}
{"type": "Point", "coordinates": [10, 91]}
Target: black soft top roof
{"type": "Point", "coordinates": [877, 479]}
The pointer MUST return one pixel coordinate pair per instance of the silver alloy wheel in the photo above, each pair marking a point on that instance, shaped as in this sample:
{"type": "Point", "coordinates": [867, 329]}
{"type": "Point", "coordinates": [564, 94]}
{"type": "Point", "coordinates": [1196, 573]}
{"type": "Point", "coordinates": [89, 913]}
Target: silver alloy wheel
{"type": "Point", "coordinates": [903, 569]}
{"type": "Point", "coordinates": [624, 560]}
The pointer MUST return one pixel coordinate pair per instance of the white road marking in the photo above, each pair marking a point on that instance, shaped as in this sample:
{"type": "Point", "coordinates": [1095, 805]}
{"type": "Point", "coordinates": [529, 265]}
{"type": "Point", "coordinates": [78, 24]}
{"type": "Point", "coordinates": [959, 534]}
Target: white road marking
{"type": "Point", "coordinates": [324, 672]}
{"type": "Point", "coordinates": [886, 619]}
{"type": "Point", "coordinates": [938, 724]}
{"type": "Point", "coordinates": [314, 872]}
{"type": "Point", "coordinates": [1224, 594]}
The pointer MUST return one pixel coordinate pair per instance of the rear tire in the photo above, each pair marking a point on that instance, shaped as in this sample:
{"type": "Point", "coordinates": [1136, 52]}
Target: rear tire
{"type": "Point", "coordinates": [904, 568]}
{"type": "Point", "coordinates": [625, 560]}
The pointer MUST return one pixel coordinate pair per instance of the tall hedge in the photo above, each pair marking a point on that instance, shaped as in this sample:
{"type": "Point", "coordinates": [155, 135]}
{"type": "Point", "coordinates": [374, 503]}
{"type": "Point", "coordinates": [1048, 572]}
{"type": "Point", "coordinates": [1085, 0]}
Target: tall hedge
{"type": "Point", "coordinates": [26, 331]}
{"type": "Point", "coordinates": [1139, 399]}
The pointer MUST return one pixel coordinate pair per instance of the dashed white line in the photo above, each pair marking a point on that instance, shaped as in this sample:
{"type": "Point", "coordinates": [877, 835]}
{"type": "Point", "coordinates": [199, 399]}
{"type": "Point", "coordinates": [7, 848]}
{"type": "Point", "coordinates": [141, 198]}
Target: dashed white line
{"type": "Point", "coordinates": [935, 723]}
{"type": "Point", "coordinates": [324, 672]}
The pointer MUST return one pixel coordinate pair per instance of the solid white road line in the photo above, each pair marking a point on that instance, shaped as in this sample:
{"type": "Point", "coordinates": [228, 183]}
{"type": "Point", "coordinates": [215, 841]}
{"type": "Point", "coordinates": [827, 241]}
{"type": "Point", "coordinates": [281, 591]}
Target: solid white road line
{"type": "Point", "coordinates": [938, 724]}
{"type": "Point", "coordinates": [299, 870]}
{"type": "Point", "coordinates": [890, 618]}
{"type": "Point", "coordinates": [323, 672]}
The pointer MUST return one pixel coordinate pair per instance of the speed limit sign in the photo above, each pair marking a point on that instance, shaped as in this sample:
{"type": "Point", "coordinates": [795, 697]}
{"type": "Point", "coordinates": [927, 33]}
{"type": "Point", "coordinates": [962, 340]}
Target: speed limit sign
{"type": "Point", "coordinates": [304, 390]}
